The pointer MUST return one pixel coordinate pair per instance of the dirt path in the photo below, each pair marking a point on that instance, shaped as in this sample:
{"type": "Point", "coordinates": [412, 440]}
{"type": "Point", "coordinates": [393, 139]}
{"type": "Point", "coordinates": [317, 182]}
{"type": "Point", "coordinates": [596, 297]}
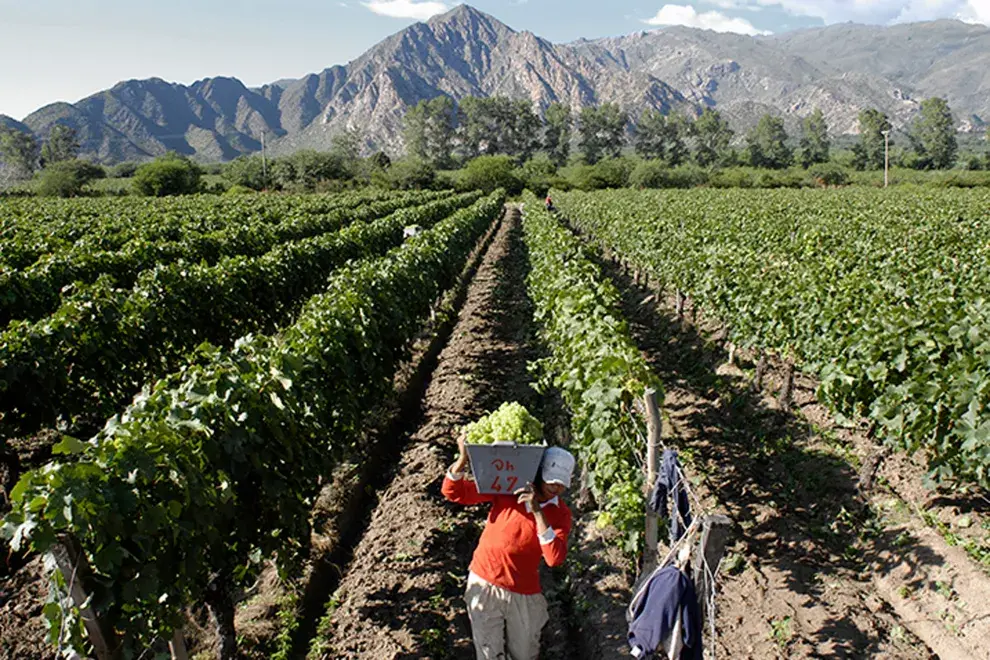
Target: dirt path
{"type": "Point", "coordinates": [798, 581]}
{"type": "Point", "coordinates": [402, 595]}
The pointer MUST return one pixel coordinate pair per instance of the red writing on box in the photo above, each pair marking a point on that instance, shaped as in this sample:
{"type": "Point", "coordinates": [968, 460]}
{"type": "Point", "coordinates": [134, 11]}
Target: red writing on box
{"type": "Point", "coordinates": [503, 481]}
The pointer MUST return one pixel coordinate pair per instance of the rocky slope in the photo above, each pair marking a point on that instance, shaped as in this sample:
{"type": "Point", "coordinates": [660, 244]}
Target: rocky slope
{"type": "Point", "coordinates": [841, 69]}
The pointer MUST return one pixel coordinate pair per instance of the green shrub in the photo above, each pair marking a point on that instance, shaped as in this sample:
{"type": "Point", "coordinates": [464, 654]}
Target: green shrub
{"type": "Point", "coordinates": [688, 176]}
{"type": "Point", "coordinates": [779, 179]}
{"type": "Point", "coordinates": [68, 178]}
{"type": "Point", "coordinates": [311, 167]}
{"type": "Point", "coordinates": [656, 174]}
{"type": "Point", "coordinates": [828, 174]}
{"type": "Point", "coordinates": [246, 172]}
{"type": "Point", "coordinates": [608, 173]}
{"type": "Point", "coordinates": [446, 179]}
{"type": "Point", "coordinates": [974, 163]}
{"type": "Point", "coordinates": [239, 190]}
{"type": "Point", "coordinates": [489, 173]}
{"type": "Point", "coordinates": [406, 174]}
{"type": "Point", "coordinates": [733, 177]}
{"type": "Point", "coordinates": [649, 174]}
{"type": "Point", "coordinates": [169, 175]}
{"type": "Point", "coordinates": [124, 170]}
{"type": "Point", "coordinates": [538, 174]}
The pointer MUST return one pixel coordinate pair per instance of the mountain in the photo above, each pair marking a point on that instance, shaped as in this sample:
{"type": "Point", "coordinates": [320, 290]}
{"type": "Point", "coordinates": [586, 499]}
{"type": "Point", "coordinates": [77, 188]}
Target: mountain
{"type": "Point", "coordinates": [944, 58]}
{"type": "Point", "coordinates": [462, 53]}
{"type": "Point", "coordinates": [841, 69]}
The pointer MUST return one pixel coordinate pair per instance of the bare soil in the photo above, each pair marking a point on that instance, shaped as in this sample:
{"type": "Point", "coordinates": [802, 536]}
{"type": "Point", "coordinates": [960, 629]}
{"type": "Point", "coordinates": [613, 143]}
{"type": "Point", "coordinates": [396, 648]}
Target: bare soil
{"type": "Point", "coordinates": [822, 564]}
{"type": "Point", "coordinates": [402, 596]}
{"type": "Point", "coordinates": [23, 633]}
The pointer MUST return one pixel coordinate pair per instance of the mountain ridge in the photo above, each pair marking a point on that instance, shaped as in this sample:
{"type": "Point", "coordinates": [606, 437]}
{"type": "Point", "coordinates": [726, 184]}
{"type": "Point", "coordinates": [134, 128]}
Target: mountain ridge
{"type": "Point", "coordinates": [841, 68]}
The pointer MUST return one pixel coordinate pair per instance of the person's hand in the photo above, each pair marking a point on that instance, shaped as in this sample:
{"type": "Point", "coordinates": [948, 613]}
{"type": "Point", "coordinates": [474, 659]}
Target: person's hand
{"type": "Point", "coordinates": [527, 496]}
{"type": "Point", "coordinates": [463, 461]}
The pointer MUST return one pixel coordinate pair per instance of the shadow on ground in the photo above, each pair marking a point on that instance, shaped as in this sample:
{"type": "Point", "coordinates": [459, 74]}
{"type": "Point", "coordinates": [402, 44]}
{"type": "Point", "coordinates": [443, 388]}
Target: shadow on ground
{"type": "Point", "coordinates": [788, 487]}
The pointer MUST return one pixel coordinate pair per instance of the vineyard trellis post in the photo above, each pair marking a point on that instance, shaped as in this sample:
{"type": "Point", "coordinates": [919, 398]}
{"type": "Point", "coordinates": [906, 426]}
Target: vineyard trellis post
{"type": "Point", "coordinates": [177, 647]}
{"type": "Point", "coordinates": [654, 426]}
{"type": "Point", "coordinates": [73, 565]}
{"type": "Point", "coordinates": [787, 388]}
{"type": "Point", "coordinates": [761, 368]}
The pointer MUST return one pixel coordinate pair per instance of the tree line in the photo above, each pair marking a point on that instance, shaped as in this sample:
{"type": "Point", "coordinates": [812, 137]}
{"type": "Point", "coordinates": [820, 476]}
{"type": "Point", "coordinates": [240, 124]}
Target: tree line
{"type": "Point", "coordinates": [442, 134]}
{"type": "Point", "coordinates": [445, 133]}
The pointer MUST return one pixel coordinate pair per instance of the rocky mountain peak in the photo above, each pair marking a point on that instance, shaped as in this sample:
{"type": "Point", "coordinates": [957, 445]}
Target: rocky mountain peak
{"type": "Point", "coordinates": [841, 69]}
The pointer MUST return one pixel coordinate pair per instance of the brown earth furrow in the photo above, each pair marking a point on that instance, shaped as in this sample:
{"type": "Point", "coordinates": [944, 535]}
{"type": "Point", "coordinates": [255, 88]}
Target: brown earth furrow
{"type": "Point", "coordinates": [798, 580]}
{"type": "Point", "coordinates": [402, 595]}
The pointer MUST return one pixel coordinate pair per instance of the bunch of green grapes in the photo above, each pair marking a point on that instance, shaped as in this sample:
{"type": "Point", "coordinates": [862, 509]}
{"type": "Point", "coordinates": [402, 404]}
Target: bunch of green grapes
{"type": "Point", "coordinates": [510, 423]}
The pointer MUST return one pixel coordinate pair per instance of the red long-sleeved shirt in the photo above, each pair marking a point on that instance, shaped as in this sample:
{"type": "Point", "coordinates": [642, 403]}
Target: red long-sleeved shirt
{"type": "Point", "coordinates": [509, 552]}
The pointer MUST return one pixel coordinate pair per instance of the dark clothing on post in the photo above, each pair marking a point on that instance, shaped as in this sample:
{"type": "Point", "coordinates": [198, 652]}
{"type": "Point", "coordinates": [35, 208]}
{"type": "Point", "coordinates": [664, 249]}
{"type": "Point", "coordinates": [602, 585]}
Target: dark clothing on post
{"type": "Point", "coordinates": [666, 597]}
{"type": "Point", "coordinates": [669, 482]}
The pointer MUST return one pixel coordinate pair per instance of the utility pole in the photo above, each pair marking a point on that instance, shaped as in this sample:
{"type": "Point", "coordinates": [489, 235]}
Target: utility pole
{"type": "Point", "coordinates": [886, 157]}
{"type": "Point", "coordinates": [264, 161]}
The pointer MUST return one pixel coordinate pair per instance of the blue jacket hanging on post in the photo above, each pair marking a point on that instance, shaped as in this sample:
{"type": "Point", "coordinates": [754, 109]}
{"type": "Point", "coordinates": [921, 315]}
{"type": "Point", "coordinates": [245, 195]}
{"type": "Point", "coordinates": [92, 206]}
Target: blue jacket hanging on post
{"type": "Point", "coordinates": [666, 597]}
{"type": "Point", "coordinates": [669, 483]}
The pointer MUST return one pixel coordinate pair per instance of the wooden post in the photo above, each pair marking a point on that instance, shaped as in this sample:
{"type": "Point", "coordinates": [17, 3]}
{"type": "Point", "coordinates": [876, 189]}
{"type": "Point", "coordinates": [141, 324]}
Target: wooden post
{"type": "Point", "coordinates": [788, 387]}
{"type": "Point", "coordinates": [654, 425]}
{"type": "Point", "coordinates": [711, 546]}
{"type": "Point", "coordinates": [221, 606]}
{"type": "Point", "coordinates": [761, 368]}
{"type": "Point", "coordinates": [178, 646]}
{"type": "Point", "coordinates": [732, 354]}
{"type": "Point", "coordinates": [75, 568]}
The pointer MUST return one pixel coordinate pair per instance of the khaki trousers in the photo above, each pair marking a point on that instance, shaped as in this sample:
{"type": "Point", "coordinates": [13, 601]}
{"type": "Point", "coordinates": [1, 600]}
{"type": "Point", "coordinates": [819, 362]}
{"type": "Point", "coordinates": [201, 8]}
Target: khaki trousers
{"type": "Point", "coordinates": [503, 621]}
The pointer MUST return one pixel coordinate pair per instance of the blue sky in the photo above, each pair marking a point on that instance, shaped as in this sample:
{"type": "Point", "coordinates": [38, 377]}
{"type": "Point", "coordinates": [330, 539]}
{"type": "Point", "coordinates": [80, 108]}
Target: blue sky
{"type": "Point", "coordinates": [64, 50]}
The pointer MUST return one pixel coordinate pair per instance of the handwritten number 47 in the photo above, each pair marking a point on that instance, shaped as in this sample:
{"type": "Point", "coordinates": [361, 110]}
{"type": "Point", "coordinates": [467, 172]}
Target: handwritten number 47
{"type": "Point", "coordinates": [508, 486]}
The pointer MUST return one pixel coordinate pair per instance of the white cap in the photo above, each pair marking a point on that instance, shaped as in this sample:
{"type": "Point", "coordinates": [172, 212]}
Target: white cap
{"type": "Point", "coordinates": [558, 466]}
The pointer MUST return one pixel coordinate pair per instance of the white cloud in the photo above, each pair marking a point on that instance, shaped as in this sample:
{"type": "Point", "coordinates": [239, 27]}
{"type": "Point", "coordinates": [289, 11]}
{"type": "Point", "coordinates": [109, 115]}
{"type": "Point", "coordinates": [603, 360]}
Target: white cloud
{"type": "Point", "coordinates": [975, 11]}
{"type": "Point", "coordinates": [874, 11]}
{"type": "Point", "coordinates": [735, 4]}
{"type": "Point", "coordinates": [710, 20]}
{"type": "Point", "coordinates": [406, 8]}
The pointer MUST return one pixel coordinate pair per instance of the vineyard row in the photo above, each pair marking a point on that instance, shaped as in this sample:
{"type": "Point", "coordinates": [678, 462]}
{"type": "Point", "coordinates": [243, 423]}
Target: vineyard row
{"type": "Point", "coordinates": [881, 296]}
{"type": "Point", "coordinates": [217, 467]}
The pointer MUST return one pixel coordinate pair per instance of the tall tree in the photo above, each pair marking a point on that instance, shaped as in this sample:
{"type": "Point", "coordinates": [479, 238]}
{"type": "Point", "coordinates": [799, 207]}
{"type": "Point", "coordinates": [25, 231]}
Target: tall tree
{"type": "Point", "coordinates": [651, 135]}
{"type": "Point", "coordinates": [815, 143]}
{"type": "Point", "coordinates": [429, 130]}
{"type": "Point", "coordinates": [478, 126]}
{"type": "Point", "coordinates": [525, 137]}
{"type": "Point", "coordinates": [603, 131]}
{"type": "Point", "coordinates": [498, 125]}
{"type": "Point", "coordinates": [868, 153]}
{"type": "Point", "coordinates": [19, 151]}
{"type": "Point", "coordinates": [62, 145]}
{"type": "Point", "coordinates": [557, 133]}
{"type": "Point", "coordinates": [933, 135]}
{"type": "Point", "coordinates": [346, 147]}
{"type": "Point", "coordinates": [678, 131]}
{"type": "Point", "coordinates": [712, 136]}
{"type": "Point", "coordinates": [767, 144]}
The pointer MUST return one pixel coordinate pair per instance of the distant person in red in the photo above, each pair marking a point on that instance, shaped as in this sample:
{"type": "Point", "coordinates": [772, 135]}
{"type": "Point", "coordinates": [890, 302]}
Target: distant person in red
{"type": "Point", "coordinates": [505, 603]}
{"type": "Point", "coordinates": [549, 204]}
